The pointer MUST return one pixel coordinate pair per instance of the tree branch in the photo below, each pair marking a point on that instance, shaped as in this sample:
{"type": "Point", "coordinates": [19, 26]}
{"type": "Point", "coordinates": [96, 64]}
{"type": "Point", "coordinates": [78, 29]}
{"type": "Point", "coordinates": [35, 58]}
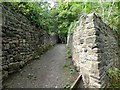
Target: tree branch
{"type": "Point", "coordinates": [102, 8]}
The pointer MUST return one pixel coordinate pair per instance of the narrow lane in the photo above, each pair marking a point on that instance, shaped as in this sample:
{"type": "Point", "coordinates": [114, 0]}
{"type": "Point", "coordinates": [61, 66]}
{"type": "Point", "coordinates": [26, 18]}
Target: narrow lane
{"type": "Point", "coordinates": [46, 72]}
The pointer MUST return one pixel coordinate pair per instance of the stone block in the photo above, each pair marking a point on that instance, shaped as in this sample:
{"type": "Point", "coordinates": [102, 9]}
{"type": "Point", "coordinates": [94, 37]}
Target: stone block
{"type": "Point", "coordinates": [12, 67]}
{"type": "Point", "coordinates": [4, 75]}
{"type": "Point", "coordinates": [5, 67]}
{"type": "Point", "coordinates": [22, 63]}
{"type": "Point", "coordinates": [90, 39]}
{"type": "Point", "coordinates": [17, 57]}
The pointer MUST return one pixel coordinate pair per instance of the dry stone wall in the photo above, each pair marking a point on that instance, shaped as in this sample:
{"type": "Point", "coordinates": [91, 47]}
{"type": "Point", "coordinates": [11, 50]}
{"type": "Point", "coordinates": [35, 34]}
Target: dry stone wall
{"type": "Point", "coordinates": [95, 50]}
{"type": "Point", "coordinates": [21, 41]}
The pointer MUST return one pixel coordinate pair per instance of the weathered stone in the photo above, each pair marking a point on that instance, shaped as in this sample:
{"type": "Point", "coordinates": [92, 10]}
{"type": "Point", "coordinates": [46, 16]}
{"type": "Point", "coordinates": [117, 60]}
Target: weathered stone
{"type": "Point", "coordinates": [90, 39]}
{"type": "Point", "coordinates": [20, 40]}
{"type": "Point", "coordinates": [17, 57]}
{"type": "Point", "coordinates": [12, 67]}
{"type": "Point", "coordinates": [91, 32]}
{"type": "Point", "coordinates": [81, 41]}
{"type": "Point", "coordinates": [4, 75]}
{"type": "Point", "coordinates": [5, 67]}
{"type": "Point", "coordinates": [22, 63]}
{"type": "Point", "coordinates": [98, 53]}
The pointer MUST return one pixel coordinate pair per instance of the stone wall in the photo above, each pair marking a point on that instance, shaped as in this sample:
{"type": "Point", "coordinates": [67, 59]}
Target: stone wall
{"type": "Point", "coordinates": [21, 41]}
{"type": "Point", "coordinates": [95, 50]}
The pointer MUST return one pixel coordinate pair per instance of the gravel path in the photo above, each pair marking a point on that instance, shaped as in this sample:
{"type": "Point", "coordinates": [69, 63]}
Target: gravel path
{"type": "Point", "coordinates": [50, 71]}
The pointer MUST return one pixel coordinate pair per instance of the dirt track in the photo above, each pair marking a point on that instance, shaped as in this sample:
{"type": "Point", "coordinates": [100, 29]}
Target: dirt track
{"type": "Point", "coordinates": [46, 72]}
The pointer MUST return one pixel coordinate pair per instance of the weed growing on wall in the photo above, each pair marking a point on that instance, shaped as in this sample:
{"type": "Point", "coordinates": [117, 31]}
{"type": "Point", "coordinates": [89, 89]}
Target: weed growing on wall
{"type": "Point", "coordinates": [114, 78]}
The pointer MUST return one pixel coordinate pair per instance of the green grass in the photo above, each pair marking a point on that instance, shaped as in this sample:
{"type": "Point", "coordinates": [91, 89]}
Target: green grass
{"type": "Point", "coordinates": [65, 66]}
{"type": "Point", "coordinates": [114, 78]}
{"type": "Point", "coordinates": [68, 52]}
{"type": "Point", "coordinates": [67, 86]}
{"type": "Point", "coordinates": [68, 67]}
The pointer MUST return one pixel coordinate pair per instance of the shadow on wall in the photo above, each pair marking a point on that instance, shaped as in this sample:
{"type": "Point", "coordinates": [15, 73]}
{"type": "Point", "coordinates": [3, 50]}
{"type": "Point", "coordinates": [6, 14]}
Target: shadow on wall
{"type": "Point", "coordinates": [78, 84]}
{"type": "Point", "coordinates": [81, 83]}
